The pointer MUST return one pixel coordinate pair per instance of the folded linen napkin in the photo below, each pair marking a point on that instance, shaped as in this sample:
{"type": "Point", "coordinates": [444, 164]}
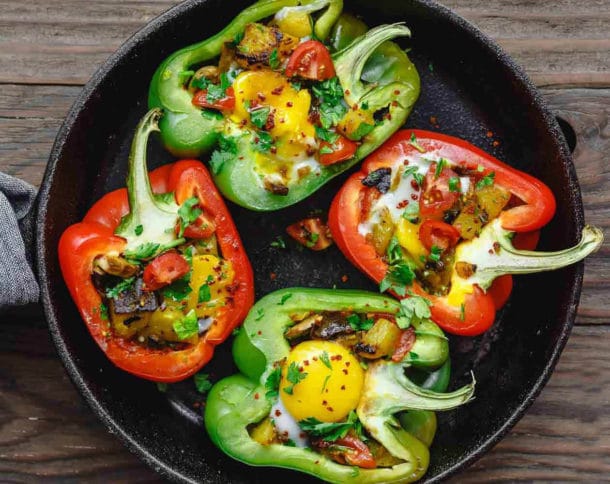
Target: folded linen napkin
{"type": "Point", "coordinates": [18, 284]}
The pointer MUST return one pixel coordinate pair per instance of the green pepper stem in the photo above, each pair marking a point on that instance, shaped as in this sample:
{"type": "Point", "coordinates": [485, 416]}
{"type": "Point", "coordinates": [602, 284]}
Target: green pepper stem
{"type": "Point", "coordinates": [493, 254]}
{"type": "Point", "coordinates": [149, 221]}
{"type": "Point", "coordinates": [349, 62]}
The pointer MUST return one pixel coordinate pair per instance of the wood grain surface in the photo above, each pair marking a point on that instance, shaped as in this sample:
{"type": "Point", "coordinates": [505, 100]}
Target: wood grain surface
{"type": "Point", "coordinates": [48, 49]}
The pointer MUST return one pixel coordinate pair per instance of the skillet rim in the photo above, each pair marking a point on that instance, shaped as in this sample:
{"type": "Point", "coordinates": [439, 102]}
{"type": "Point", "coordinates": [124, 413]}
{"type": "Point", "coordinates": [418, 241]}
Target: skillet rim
{"type": "Point", "coordinates": [486, 44]}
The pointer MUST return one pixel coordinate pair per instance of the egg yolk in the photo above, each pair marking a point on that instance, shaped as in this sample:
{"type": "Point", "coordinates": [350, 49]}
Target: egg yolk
{"type": "Point", "coordinates": [289, 111]}
{"type": "Point", "coordinates": [329, 378]}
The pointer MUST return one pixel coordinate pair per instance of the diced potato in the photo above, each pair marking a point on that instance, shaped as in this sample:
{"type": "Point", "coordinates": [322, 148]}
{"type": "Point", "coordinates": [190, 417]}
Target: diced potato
{"type": "Point", "coordinates": [468, 222]}
{"type": "Point", "coordinates": [258, 44]}
{"type": "Point", "coordinates": [161, 326]}
{"type": "Point", "coordinates": [264, 433]}
{"type": "Point", "coordinates": [492, 199]}
{"type": "Point", "coordinates": [382, 337]}
{"type": "Point", "coordinates": [127, 325]}
{"type": "Point", "coordinates": [383, 231]}
{"type": "Point", "coordinates": [352, 120]}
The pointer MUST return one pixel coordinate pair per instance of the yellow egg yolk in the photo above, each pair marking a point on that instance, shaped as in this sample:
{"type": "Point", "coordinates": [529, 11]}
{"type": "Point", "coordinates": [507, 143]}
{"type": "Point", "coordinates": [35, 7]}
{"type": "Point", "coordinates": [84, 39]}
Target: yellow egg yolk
{"type": "Point", "coordinates": [329, 381]}
{"type": "Point", "coordinates": [289, 111]}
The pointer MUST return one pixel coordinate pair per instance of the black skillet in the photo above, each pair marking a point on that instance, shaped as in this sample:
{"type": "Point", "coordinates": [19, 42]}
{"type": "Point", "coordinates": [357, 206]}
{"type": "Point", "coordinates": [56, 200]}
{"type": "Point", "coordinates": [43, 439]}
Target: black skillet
{"type": "Point", "coordinates": [469, 86]}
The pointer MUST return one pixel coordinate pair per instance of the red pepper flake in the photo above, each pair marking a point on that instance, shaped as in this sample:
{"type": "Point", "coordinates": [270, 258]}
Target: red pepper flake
{"type": "Point", "coordinates": [490, 134]}
{"type": "Point", "coordinates": [261, 96]}
{"type": "Point", "coordinates": [302, 435]}
{"type": "Point", "coordinates": [196, 405]}
{"type": "Point", "coordinates": [324, 402]}
{"type": "Point", "coordinates": [259, 332]}
{"type": "Point", "coordinates": [344, 278]}
{"type": "Point", "coordinates": [278, 412]}
{"type": "Point", "coordinates": [330, 409]}
{"type": "Point", "coordinates": [414, 196]}
{"type": "Point", "coordinates": [433, 120]}
{"type": "Point", "coordinates": [394, 104]}
{"type": "Point", "coordinates": [347, 92]}
{"type": "Point", "coordinates": [396, 92]}
{"type": "Point", "coordinates": [402, 204]}
{"type": "Point", "coordinates": [272, 276]}
{"type": "Point", "coordinates": [289, 104]}
{"type": "Point", "coordinates": [347, 363]}
{"type": "Point", "coordinates": [315, 358]}
{"type": "Point", "coordinates": [256, 396]}
{"type": "Point", "coordinates": [277, 91]}
{"type": "Point", "coordinates": [496, 247]}
{"type": "Point", "coordinates": [306, 362]}
{"type": "Point", "coordinates": [316, 462]}
{"type": "Point", "coordinates": [345, 372]}
{"type": "Point", "coordinates": [342, 387]}
{"type": "Point", "coordinates": [355, 107]}
{"type": "Point", "coordinates": [496, 143]}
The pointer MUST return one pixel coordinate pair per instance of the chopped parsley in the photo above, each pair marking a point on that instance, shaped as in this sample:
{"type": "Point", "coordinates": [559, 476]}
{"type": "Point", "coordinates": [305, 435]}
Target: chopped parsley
{"type": "Point", "coordinates": [332, 106]}
{"type": "Point", "coordinates": [413, 142]}
{"type": "Point", "coordinates": [272, 383]}
{"type": "Point", "coordinates": [120, 288]}
{"type": "Point", "coordinates": [399, 274]}
{"type": "Point", "coordinates": [435, 253]}
{"type": "Point", "coordinates": [440, 166]}
{"type": "Point", "coordinates": [285, 298]}
{"type": "Point", "coordinates": [324, 358]}
{"type": "Point", "coordinates": [178, 290]}
{"type": "Point", "coordinates": [165, 198]}
{"type": "Point", "coordinates": [202, 382]}
{"type": "Point", "coordinates": [454, 184]}
{"type": "Point", "coordinates": [409, 171]}
{"type": "Point", "coordinates": [361, 131]}
{"type": "Point", "coordinates": [480, 168]}
{"type": "Point", "coordinates": [204, 291]}
{"type": "Point", "coordinates": [312, 239]}
{"type": "Point", "coordinates": [412, 310]}
{"type": "Point", "coordinates": [326, 150]}
{"type": "Point", "coordinates": [486, 181]}
{"type": "Point", "coordinates": [278, 243]}
{"type": "Point", "coordinates": [259, 116]}
{"type": "Point", "coordinates": [411, 213]}
{"type": "Point", "coordinates": [103, 312]}
{"type": "Point", "coordinates": [359, 323]}
{"type": "Point", "coordinates": [138, 230]}
{"type": "Point", "coordinates": [226, 152]}
{"type": "Point", "coordinates": [162, 387]}
{"type": "Point", "coordinates": [259, 314]}
{"type": "Point", "coordinates": [419, 179]}
{"type": "Point", "coordinates": [274, 59]}
{"type": "Point", "coordinates": [326, 135]}
{"type": "Point", "coordinates": [143, 251]}
{"type": "Point", "coordinates": [329, 432]}
{"type": "Point", "coordinates": [325, 383]}
{"type": "Point", "coordinates": [188, 326]}
{"type": "Point", "coordinates": [263, 142]}
{"type": "Point", "coordinates": [216, 92]}
{"type": "Point", "coordinates": [294, 376]}
{"type": "Point", "coordinates": [462, 312]}
{"type": "Point", "coordinates": [188, 212]}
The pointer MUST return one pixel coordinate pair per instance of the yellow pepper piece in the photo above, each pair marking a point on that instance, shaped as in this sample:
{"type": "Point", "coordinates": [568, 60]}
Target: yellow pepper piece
{"type": "Point", "coordinates": [407, 234]}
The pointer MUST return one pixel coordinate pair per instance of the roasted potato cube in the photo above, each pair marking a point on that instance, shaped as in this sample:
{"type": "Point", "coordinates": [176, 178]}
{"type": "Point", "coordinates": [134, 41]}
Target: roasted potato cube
{"type": "Point", "coordinates": [129, 324]}
{"type": "Point", "coordinates": [161, 326]}
{"type": "Point", "coordinates": [383, 232]}
{"type": "Point", "coordinates": [492, 199]}
{"type": "Point", "coordinates": [264, 432]}
{"type": "Point", "coordinates": [468, 223]}
{"type": "Point", "coordinates": [379, 341]}
{"type": "Point", "coordinates": [256, 48]}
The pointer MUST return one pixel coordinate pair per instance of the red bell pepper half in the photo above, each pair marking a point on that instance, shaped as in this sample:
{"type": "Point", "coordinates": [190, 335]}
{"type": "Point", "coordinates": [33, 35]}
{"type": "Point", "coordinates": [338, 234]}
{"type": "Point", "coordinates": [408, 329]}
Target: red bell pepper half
{"type": "Point", "coordinates": [492, 255]}
{"type": "Point", "coordinates": [128, 219]}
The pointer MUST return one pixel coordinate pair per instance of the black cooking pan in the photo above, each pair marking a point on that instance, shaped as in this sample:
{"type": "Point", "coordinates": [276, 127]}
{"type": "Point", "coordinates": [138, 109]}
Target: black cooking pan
{"type": "Point", "coordinates": [469, 87]}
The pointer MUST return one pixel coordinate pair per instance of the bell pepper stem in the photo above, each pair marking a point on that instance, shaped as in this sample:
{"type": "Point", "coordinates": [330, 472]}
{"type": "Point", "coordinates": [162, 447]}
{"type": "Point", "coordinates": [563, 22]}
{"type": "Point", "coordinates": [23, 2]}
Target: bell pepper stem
{"type": "Point", "coordinates": [349, 62]}
{"type": "Point", "coordinates": [492, 254]}
{"type": "Point", "coordinates": [150, 221]}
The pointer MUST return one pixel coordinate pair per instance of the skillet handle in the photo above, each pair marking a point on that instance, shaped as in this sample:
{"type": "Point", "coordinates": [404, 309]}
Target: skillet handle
{"type": "Point", "coordinates": [18, 285]}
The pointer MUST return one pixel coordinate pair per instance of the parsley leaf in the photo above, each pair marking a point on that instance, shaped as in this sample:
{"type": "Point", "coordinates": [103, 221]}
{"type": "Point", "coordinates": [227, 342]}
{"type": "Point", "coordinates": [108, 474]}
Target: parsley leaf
{"type": "Point", "coordinates": [188, 213]}
{"type": "Point", "coordinates": [187, 327]}
{"type": "Point", "coordinates": [162, 387]}
{"type": "Point", "coordinates": [332, 105]}
{"type": "Point", "coordinates": [259, 116]}
{"type": "Point", "coordinates": [202, 382]}
{"type": "Point", "coordinates": [226, 151]}
{"type": "Point", "coordinates": [204, 293]}
{"type": "Point", "coordinates": [138, 230]}
{"type": "Point", "coordinates": [358, 323]}
{"type": "Point", "coordinates": [435, 253]}
{"type": "Point", "coordinates": [411, 213]}
{"type": "Point", "coordinates": [272, 383]}
{"type": "Point", "coordinates": [312, 239]}
{"type": "Point", "coordinates": [454, 184]}
{"type": "Point", "coordinates": [440, 166]}
{"type": "Point", "coordinates": [294, 376]}
{"type": "Point", "coordinates": [324, 358]}
{"type": "Point", "coordinates": [398, 277]}
{"type": "Point", "coordinates": [178, 290]}
{"type": "Point", "coordinates": [120, 288]}
{"type": "Point", "coordinates": [329, 432]}
{"type": "Point", "coordinates": [326, 150]}
{"type": "Point", "coordinates": [486, 181]}
{"type": "Point", "coordinates": [259, 314]}
{"type": "Point", "coordinates": [412, 310]}
{"type": "Point", "coordinates": [216, 92]}
{"type": "Point", "coordinates": [263, 142]}
{"type": "Point", "coordinates": [419, 179]}
{"type": "Point", "coordinates": [361, 131]}
{"type": "Point", "coordinates": [143, 251]}
{"type": "Point", "coordinates": [285, 298]}
{"type": "Point", "coordinates": [326, 135]}
{"type": "Point", "coordinates": [103, 312]}
{"type": "Point", "coordinates": [410, 170]}
{"type": "Point", "coordinates": [274, 59]}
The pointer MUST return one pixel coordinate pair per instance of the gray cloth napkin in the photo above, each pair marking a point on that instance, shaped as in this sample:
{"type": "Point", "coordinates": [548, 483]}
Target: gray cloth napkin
{"type": "Point", "coordinates": [18, 285]}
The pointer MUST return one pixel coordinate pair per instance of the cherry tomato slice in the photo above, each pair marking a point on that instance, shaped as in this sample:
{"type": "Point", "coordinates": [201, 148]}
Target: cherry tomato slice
{"type": "Point", "coordinates": [313, 233]}
{"type": "Point", "coordinates": [311, 60]}
{"type": "Point", "coordinates": [226, 103]}
{"type": "Point", "coordinates": [358, 454]}
{"type": "Point", "coordinates": [404, 344]}
{"type": "Point", "coordinates": [343, 149]}
{"type": "Point", "coordinates": [439, 234]}
{"type": "Point", "coordinates": [436, 196]}
{"type": "Point", "coordinates": [164, 270]}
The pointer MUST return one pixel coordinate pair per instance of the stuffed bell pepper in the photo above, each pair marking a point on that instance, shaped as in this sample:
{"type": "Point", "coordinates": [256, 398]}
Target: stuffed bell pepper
{"type": "Point", "coordinates": [433, 216]}
{"type": "Point", "coordinates": [157, 270]}
{"type": "Point", "coordinates": [290, 94]}
{"type": "Point", "coordinates": [340, 384]}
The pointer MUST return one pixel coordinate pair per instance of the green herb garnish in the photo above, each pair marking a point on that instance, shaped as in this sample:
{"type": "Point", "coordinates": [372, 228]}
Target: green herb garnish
{"type": "Point", "coordinates": [188, 326]}
{"type": "Point", "coordinates": [120, 288]}
{"type": "Point", "coordinates": [294, 376]}
{"type": "Point", "coordinates": [486, 181]}
{"type": "Point", "coordinates": [202, 382]}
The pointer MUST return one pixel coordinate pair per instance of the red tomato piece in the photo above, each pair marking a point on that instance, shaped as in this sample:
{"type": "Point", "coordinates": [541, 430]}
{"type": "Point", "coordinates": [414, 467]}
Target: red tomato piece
{"type": "Point", "coordinates": [436, 197]}
{"type": "Point", "coordinates": [311, 60]}
{"type": "Point", "coordinates": [343, 149]}
{"type": "Point", "coordinates": [226, 103]}
{"type": "Point", "coordinates": [164, 270]}
{"type": "Point", "coordinates": [358, 454]}
{"type": "Point", "coordinates": [404, 345]}
{"type": "Point", "coordinates": [439, 234]}
{"type": "Point", "coordinates": [313, 233]}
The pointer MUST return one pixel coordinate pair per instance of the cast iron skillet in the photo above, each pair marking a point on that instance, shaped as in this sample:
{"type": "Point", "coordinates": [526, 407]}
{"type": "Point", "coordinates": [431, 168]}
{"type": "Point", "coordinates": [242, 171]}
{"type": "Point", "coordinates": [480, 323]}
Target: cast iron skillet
{"type": "Point", "coordinates": [469, 85]}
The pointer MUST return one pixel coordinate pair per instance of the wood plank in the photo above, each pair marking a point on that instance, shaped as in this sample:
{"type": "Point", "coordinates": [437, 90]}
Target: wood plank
{"type": "Point", "coordinates": [62, 42]}
{"type": "Point", "coordinates": [46, 431]}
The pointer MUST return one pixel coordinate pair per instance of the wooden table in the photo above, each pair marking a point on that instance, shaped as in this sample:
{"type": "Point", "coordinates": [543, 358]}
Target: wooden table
{"type": "Point", "coordinates": [48, 49]}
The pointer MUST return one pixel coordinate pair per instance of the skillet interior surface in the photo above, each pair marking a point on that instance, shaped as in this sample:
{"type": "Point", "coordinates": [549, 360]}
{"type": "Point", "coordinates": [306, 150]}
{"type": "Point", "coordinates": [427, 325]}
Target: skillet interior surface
{"type": "Point", "coordinates": [468, 85]}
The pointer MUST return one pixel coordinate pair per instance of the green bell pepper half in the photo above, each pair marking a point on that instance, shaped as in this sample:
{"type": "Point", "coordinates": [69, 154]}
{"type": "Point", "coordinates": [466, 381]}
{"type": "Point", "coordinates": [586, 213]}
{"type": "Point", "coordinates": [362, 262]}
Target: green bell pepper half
{"type": "Point", "coordinates": [372, 71]}
{"type": "Point", "coordinates": [238, 401]}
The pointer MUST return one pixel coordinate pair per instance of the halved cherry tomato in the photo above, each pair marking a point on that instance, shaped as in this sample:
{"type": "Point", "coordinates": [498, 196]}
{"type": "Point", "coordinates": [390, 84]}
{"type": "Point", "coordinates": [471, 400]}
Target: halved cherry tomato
{"type": "Point", "coordinates": [357, 452]}
{"type": "Point", "coordinates": [404, 345]}
{"type": "Point", "coordinates": [164, 270]}
{"type": "Point", "coordinates": [342, 149]}
{"type": "Point", "coordinates": [436, 196]}
{"type": "Point", "coordinates": [311, 232]}
{"type": "Point", "coordinates": [311, 60]}
{"type": "Point", "coordinates": [439, 234]}
{"type": "Point", "coordinates": [226, 103]}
